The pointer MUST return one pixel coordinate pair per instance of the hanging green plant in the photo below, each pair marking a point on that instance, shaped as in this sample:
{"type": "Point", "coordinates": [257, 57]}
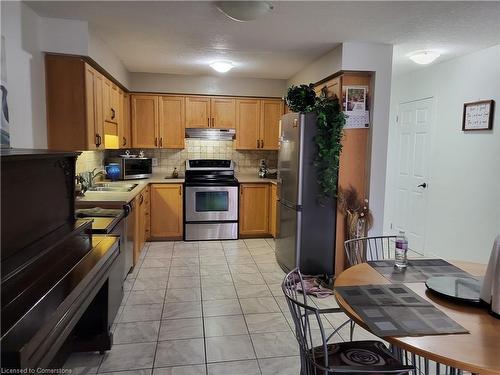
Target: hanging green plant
{"type": "Point", "coordinates": [330, 123]}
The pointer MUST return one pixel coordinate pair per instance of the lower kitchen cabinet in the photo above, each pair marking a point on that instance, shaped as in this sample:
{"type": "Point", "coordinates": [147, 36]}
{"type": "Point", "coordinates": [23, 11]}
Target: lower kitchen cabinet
{"type": "Point", "coordinates": [142, 212]}
{"type": "Point", "coordinates": [166, 211]}
{"type": "Point", "coordinates": [273, 211]}
{"type": "Point", "coordinates": [254, 210]}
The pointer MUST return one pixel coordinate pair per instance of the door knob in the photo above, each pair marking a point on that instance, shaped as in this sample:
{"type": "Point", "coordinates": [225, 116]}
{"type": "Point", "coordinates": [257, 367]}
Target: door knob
{"type": "Point", "coordinates": [424, 185]}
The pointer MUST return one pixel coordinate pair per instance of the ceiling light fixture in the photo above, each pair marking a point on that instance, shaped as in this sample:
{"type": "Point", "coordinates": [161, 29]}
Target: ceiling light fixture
{"type": "Point", "coordinates": [222, 66]}
{"type": "Point", "coordinates": [243, 11]}
{"type": "Point", "coordinates": [424, 57]}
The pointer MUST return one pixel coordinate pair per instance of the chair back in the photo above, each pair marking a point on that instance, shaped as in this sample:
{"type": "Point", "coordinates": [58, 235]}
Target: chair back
{"type": "Point", "coordinates": [360, 250]}
{"type": "Point", "coordinates": [314, 358]}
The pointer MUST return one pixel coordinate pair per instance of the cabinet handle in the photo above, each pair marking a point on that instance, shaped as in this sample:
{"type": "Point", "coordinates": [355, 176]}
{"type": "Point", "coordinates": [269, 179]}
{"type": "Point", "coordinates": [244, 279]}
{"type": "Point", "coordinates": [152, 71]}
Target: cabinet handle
{"type": "Point", "coordinates": [156, 141]}
{"type": "Point", "coordinates": [113, 114]}
{"type": "Point", "coordinates": [96, 140]}
{"type": "Point", "coordinates": [213, 122]}
{"type": "Point", "coordinates": [208, 121]}
{"type": "Point", "coordinates": [124, 141]}
{"type": "Point", "coordinates": [261, 143]}
{"type": "Point", "coordinates": [141, 199]}
{"type": "Point", "coordinates": [180, 190]}
{"type": "Point", "coordinates": [161, 141]}
{"type": "Point", "coordinates": [258, 143]}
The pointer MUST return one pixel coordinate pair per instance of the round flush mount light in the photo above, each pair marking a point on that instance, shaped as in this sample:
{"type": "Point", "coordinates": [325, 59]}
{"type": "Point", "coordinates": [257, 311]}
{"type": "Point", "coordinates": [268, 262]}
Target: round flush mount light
{"type": "Point", "coordinates": [424, 57]}
{"type": "Point", "coordinates": [222, 66]}
{"type": "Point", "coordinates": [243, 11]}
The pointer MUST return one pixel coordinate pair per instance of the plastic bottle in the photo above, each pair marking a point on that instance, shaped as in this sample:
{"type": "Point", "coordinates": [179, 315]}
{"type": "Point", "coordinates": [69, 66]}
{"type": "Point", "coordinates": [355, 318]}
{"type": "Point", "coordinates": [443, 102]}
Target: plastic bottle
{"type": "Point", "coordinates": [401, 260]}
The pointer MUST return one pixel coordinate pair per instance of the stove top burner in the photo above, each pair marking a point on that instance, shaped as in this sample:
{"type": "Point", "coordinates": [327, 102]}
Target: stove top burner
{"type": "Point", "coordinates": [210, 172]}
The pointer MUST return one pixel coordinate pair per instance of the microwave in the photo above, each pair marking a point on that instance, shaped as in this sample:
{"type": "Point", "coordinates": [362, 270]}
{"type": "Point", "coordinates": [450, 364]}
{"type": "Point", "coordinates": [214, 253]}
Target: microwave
{"type": "Point", "coordinates": [133, 168]}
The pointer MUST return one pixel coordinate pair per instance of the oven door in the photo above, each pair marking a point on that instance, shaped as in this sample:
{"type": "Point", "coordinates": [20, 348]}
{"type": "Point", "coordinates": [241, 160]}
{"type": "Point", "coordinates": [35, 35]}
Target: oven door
{"type": "Point", "coordinates": [211, 203]}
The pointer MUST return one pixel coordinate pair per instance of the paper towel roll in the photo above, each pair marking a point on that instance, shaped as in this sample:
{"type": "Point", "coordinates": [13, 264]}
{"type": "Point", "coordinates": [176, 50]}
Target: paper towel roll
{"type": "Point", "coordinates": [490, 290]}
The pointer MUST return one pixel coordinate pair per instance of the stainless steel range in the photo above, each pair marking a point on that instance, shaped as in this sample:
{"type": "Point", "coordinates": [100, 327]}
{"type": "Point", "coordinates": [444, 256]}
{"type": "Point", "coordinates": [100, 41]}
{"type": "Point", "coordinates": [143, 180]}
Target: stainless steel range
{"type": "Point", "coordinates": [211, 200]}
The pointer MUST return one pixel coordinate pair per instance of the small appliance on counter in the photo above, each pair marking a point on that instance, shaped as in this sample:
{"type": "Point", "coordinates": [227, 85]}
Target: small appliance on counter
{"type": "Point", "coordinates": [132, 168]}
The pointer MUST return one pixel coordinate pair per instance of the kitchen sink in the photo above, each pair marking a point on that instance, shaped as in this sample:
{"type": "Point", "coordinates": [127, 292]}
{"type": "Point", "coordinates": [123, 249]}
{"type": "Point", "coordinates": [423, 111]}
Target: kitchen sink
{"type": "Point", "coordinates": [113, 188]}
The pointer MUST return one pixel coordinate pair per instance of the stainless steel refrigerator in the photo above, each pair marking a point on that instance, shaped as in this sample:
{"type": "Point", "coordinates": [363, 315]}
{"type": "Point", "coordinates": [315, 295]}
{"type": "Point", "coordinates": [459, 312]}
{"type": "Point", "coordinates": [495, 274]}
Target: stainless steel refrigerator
{"type": "Point", "coordinates": [306, 235]}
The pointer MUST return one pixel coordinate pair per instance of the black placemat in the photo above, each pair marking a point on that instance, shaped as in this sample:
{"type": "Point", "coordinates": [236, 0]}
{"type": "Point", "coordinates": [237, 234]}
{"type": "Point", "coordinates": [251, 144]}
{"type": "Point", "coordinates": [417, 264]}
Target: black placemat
{"type": "Point", "coordinates": [395, 310]}
{"type": "Point", "coordinates": [418, 270]}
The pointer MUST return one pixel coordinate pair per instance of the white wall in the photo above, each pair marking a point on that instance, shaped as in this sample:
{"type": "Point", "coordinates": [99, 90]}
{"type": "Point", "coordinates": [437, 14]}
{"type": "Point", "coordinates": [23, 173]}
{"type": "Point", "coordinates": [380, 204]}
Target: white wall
{"type": "Point", "coordinates": [325, 66]}
{"type": "Point", "coordinates": [376, 58]}
{"type": "Point", "coordinates": [105, 57]}
{"type": "Point", "coordinates": [64, 36]}
{"type": "Point", "coordinates": [25, 75]}
{"type": "Point", "coordinates": [208, 85]}
{"type": "Point", "coordinates": [463, 211]}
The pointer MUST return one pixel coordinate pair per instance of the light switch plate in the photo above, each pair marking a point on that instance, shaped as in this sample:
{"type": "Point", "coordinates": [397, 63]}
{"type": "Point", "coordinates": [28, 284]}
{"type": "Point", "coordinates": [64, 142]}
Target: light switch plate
{"type": "Point", "coordinates": [154, 162]}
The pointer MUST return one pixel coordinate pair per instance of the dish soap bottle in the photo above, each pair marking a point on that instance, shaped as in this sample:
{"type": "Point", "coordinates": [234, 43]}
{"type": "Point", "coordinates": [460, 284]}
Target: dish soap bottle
{"type": "Point", "coordinates": [400, 256]}
{"type": "Point", "coordinates": [175, 173]}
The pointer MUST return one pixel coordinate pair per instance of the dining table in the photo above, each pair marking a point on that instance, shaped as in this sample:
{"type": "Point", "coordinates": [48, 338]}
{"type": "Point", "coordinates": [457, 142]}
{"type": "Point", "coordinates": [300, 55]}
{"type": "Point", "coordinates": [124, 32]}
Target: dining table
{"type": "Point", "coordinates": [477, 351]}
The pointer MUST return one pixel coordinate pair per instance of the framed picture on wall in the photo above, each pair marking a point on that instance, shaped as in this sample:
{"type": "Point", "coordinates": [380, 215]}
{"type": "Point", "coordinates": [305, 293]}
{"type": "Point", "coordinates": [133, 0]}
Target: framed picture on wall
{"type": "Point", "coordinates": [478, 115]}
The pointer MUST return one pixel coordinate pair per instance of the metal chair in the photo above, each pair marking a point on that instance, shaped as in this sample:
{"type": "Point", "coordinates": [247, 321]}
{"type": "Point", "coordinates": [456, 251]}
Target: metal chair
{"type": "Point", "coordinates": [318, 356]}
{"type": "Point", "coordinates": [360, 250]}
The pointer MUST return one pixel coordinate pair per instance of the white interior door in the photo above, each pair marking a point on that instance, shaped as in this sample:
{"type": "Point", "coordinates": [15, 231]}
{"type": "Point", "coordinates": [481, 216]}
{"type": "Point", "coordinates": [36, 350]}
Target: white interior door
{"type": "Point", "coordinates": [412, 183]}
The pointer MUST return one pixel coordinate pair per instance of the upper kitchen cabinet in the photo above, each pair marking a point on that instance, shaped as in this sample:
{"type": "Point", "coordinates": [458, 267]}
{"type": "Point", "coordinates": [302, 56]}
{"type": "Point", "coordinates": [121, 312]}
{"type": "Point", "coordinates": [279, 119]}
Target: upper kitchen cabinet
{"type": "Point", "coordinates": [124, 131]}
{"type": "Point", "coordinates": [223, 113]}
{"type": "Point", "coordinates": [257, 123]}
{"type": "Point", "coordinates": [172, 121]}
{"type": "Point", "coordinates": [78, 98]}
{"type": "Point", "coordinates": [158, 121]}
{"type": "Point", "coordinates": [210, 112]}
{"type": "Point", "coordinates": [271, 112]}
{"type": "Point", "coordinates": [248, 124]}
{"type": "Point", "coordinates": [145, 121]}
{"type": "Point", "coordinates": [74, 104]}
{"type": "Point", "coordinates": [198, 112]}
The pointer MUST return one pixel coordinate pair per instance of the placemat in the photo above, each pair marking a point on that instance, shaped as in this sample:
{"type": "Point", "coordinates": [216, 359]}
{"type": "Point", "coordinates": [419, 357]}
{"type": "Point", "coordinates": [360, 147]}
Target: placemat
{"type": "Point", "coordinates": [395, 310]}
{"type": "Point", "coordinates": [418, 270]}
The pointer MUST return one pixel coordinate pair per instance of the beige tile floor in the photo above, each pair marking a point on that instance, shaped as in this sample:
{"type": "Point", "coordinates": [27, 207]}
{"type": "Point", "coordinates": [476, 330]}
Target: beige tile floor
{"type": "Point", "coordinates": [204, 308]}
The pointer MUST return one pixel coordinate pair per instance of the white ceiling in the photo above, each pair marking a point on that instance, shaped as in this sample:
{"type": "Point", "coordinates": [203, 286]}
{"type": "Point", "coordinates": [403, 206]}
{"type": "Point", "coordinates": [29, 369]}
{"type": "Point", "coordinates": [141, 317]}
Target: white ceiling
{"type": "Point", "coordinates": [184, 37]}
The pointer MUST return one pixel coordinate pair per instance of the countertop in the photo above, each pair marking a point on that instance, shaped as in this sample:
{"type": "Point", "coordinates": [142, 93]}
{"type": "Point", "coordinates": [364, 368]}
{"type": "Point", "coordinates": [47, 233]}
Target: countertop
{"type": "Point", "coordinates": [108, 198]}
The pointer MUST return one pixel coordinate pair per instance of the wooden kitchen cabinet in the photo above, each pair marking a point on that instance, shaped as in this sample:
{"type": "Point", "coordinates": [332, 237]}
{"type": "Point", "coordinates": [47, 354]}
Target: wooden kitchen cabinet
{"type": "Point", "coordinates": [166, 211]}
{"type": "Point", "coordinates": [223, 113]}
{"type": "Point", "coordinates": [158, 121]}
{"type": "Point", "coordinates": [254, 210]}
{"type": "Point", "coordinates": [124, 128]}
{"type": "Point", "coordinates": [273, 211]}
{"type": "Point", "coordinates": [271, 112]}
{"type": "Point", "coordinates": [248, 124]}
{"type": "Point", "coordinates": [257, 123]}
{"type": "Point", "coordinates": [198, 112]}
{"type": "Point", "coordinates": [144, 121]}
{"type": "Point", "coordinates": [210, 112]}
{"type": "Point", "coordinates": [73, 103]}
{"type": "Point", "coordinates": [171, 121]}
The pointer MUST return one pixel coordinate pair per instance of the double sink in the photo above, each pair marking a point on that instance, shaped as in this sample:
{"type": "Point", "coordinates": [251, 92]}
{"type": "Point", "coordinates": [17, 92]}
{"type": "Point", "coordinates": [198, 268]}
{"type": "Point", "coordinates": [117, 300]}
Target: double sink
{"type": "Point", "coordinates": [115, 188]}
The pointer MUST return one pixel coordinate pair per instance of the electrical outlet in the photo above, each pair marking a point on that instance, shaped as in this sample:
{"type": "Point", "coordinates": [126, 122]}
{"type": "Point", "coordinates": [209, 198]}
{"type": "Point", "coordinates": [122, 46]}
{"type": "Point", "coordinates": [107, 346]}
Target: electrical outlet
{"type": "Point", "coordinates": [154, 162]}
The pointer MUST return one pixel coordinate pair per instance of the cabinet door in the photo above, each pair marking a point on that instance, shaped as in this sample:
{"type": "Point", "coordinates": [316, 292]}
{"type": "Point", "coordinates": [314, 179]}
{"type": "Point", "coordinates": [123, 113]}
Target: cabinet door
{"type": "Point", "coordinates": [94, 104]}
{"type": "Point", "coordinates": [125, 131]}
{"type": "Point", "coordinates": [166, 211]}
{"type": "Point", "coordinates": [223, 111]}
{"type": "Point", "coordinates": [197, 112]}
{"type": "Point", "coordinates": [172, 121]}
{"type": "Point", "coordinates": [247, 124]}
{"type": "Point", "coordinates": [273, 211]}
{"type": "Point", "coordinates": [106, 97]}
{"type": "Point", "coordinates": [144, 121]}
{"type": "Point", "coordinates": [254, 209]}
{"type": "Point", "coordinates": [115, 104]}
{"type": "Point", "coordinates": [271, 112]}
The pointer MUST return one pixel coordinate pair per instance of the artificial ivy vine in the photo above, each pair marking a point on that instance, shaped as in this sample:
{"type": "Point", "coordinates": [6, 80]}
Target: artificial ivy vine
{"type": "Point", "coordinates": [330, 123]}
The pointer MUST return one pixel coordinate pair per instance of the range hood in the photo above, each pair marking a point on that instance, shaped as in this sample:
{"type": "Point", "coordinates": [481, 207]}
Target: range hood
{"type": "Point", "coordinates": [211, 134]}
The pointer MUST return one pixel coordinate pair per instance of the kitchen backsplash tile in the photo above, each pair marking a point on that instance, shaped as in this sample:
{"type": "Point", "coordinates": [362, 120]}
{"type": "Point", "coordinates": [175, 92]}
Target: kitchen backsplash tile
{"type": "Point", "coordinates": [246, 161]}
{"type": "Point", "coordinates": [89, 160]}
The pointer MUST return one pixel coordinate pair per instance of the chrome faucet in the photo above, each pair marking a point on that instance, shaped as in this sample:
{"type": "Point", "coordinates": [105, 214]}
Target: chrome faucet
{"type": "Point", "coordinates": [87, 179]}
